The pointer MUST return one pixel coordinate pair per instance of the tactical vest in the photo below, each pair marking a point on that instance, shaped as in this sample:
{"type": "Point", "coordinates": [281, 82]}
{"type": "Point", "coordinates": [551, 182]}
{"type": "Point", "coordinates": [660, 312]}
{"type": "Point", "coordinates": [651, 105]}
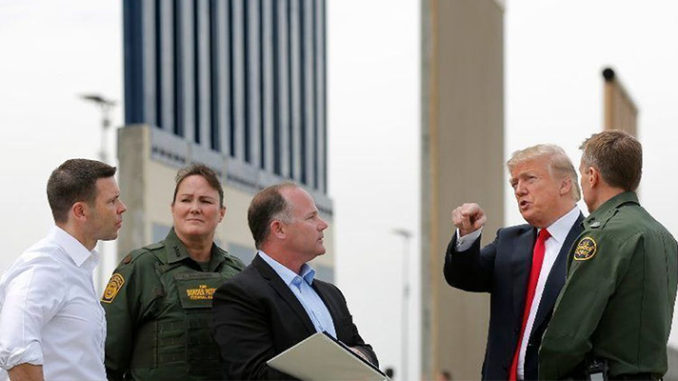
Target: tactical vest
{"type": "Point", "coordinates": [178, 345]}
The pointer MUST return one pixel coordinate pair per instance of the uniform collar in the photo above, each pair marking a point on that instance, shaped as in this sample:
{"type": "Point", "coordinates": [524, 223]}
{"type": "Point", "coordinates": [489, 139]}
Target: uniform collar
{"type": "Point", "coordinates": [177, 252]}
{"type": "Point", "coordinates": [609, 207]}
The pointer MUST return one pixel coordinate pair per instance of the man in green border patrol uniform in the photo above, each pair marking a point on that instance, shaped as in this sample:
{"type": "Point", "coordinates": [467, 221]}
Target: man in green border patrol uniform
{"type": "Point", "coordinates": [159, 299]}
{"type": "Point", "coordinates": [613, 317]}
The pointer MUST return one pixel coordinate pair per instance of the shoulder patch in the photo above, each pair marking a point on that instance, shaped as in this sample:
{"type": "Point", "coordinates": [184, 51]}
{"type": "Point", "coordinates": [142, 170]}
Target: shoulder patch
{"type": "Point", "coordinates": [112, 288]}
{"type": "Point", "coordinates": [586, 249]}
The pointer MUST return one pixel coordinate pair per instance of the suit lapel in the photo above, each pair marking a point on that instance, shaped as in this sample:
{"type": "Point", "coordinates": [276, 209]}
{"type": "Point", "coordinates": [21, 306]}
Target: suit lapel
{"type": "Point", "coordinates": [521, 262]}
{"type": "Point", "coordinates": [283, 290]}
{"type": "Point", "coordinates": [323, 292]}
{"type": "Point", "coordinates": [557, 276]}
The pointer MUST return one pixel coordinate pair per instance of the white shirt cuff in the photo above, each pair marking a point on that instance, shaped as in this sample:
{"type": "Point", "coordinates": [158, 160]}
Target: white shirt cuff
{"type": "Point", "coordinates": [31, 354]}
{"type": "Point", "coordinates": [465, 242]}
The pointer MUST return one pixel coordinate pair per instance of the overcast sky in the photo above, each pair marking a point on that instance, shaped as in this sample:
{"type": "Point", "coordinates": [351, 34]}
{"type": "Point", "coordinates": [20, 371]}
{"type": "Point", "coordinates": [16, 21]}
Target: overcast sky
{"type": "Point", "coordinates": [555, 50]}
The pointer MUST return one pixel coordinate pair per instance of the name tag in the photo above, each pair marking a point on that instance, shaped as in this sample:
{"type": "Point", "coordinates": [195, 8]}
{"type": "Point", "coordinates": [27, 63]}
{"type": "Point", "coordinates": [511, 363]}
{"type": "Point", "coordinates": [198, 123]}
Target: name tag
{"type": "Point", "coordinates": [196, 290]}
{"type": "Point", "coordinates": [202, 292]}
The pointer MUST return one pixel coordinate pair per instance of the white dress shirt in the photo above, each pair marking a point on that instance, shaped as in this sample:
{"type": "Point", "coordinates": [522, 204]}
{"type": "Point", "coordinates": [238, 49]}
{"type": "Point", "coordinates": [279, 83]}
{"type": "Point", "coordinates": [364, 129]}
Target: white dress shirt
{"type": "Point", "coordinates": [50, 314]}
{"type": "Point", "coordinates": [559, 231]}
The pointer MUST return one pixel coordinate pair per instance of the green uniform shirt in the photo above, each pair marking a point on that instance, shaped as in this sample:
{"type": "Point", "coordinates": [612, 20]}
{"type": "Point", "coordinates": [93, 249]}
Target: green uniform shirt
{"type": "Point", "coordinates": [158, 311]}
{"type": "Point", "coordinates": [617, 303]}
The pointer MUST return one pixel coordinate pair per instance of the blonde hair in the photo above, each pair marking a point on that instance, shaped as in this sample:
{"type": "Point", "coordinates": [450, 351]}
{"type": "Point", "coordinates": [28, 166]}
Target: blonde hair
{"type": "Point", "coordinates": [559, 164]}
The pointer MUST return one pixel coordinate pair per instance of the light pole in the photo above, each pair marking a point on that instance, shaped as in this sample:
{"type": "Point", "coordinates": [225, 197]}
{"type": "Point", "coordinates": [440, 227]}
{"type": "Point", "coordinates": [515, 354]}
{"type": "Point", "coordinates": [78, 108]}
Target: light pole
{"type": "Point", "coordinates": [406, 235]}
{"type": "Point", "coordinates": [105, 105]}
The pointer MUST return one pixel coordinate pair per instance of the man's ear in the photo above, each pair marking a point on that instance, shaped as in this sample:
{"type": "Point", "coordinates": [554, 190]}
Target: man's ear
{"type": "Point", "coordinates": [565, 186]}
{"type": "Point", "coordinates": [278, 229]}
{"type": "Point", "coordinates": [80, 211]}
{"type": "Point", "coordinates": [594, 177]}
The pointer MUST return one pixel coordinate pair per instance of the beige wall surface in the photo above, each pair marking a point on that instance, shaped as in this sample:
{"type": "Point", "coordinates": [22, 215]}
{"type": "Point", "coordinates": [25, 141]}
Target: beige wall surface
{"type": "Point", "coordinates": [159, 190]}
{"type": "Point", "coordinates": [234, 226]}
{"type": "Point", "coordinates": [132, 143]}
{"type": "Point", "coordinates": [147, 186]}
{"type": "Point", "coordinates": [462, 137]}
{"type": "Point", "coordinates": [620, 111]}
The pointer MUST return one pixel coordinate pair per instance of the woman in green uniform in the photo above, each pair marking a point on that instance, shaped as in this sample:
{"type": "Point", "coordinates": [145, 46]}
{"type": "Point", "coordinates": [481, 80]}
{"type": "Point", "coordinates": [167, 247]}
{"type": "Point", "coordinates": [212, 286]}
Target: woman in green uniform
{"type": "Point", "coordinates": [158, 300]}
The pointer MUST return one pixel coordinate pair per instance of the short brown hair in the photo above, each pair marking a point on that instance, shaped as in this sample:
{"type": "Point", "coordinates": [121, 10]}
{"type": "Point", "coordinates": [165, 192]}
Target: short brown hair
{"type": "Point", "coordinates": [559, 163]}
{"type": "Point", "coordinates": [74, 181]}
{"type": "Point", "coordinates": [617, 155]}
{"type": "Point", "coordinates": [201, 170]}
{"type": "Point", "coordinates": [267, 205]}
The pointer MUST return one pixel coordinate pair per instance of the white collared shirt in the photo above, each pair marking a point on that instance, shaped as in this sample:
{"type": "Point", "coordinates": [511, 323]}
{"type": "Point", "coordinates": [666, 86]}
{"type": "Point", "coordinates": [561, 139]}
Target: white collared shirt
{"type": "Point", "coordinates": [50, 314]}
{"type": "Point", "coordinates": [559, 231]}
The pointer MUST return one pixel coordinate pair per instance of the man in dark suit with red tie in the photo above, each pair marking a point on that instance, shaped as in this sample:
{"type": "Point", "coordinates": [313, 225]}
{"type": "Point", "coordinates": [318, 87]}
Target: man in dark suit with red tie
{"type": "Point", "coordinates": [525, 266]}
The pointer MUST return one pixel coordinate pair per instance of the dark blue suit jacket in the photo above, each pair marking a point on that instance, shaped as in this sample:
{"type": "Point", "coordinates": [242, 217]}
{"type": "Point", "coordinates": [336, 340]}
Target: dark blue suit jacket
{"type": "Point", "coordinates": [502, 268]}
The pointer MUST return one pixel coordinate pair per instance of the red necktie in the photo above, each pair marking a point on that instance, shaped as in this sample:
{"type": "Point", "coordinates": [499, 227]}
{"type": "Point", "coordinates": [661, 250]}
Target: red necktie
{"type": "Point", "coordinates": [537, 260]}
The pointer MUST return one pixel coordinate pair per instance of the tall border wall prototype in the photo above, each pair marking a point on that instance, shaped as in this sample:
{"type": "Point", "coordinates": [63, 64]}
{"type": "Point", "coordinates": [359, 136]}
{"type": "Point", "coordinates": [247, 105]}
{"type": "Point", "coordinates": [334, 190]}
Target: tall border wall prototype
{"type": "Point", "coordinates": [236, 84]}
{"type": "Point", "coordinates": [462, 161]}
{"type": "Point", "coordinates": [619, 110]}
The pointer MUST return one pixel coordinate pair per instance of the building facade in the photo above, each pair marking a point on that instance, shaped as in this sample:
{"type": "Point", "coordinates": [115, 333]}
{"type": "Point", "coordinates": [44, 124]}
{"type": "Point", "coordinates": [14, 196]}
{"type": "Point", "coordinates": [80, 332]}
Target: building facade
{"type": "Point", "coordinates": [236, 84]}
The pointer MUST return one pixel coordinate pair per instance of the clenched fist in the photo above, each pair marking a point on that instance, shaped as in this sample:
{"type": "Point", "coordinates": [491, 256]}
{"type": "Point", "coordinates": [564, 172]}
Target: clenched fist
{"type": "Point", "coordinates": [468, 218]}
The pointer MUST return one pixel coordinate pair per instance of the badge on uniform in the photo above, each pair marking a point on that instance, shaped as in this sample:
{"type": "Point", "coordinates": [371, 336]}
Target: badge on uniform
{"type": "Point", "coordinates": [586, 249]}
{"type": "Point", "coordinates": [114, 285]}
{"type": "Point", "coordinates": [202, 292]}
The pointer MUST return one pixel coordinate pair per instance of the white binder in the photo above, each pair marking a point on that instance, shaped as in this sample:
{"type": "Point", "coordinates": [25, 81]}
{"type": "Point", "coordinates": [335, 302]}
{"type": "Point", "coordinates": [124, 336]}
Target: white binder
{"type": "Point", "coordinates": [321, 357]}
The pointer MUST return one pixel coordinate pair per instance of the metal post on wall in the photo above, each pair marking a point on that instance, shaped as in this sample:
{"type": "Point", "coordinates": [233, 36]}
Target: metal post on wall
{"type": "Point", "coordinates": [406, 235]}
{"type": "Point", "coordinates": [105, 105]}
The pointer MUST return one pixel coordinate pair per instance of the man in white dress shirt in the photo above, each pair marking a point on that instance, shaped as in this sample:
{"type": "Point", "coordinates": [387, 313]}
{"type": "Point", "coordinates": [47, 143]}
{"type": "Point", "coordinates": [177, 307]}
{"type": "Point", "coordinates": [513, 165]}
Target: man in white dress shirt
{"type": "Point", "coordinates": [525, 267]}
{"type": "Point", "coordinates": [52, 325]}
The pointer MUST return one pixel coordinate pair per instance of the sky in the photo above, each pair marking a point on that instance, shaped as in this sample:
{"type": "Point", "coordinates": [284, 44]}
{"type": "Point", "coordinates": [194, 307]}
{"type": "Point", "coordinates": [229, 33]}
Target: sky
{"type": "Point", "coordinates": [373, 116]}
{"type": "Point", "coordinates": [52, 52]}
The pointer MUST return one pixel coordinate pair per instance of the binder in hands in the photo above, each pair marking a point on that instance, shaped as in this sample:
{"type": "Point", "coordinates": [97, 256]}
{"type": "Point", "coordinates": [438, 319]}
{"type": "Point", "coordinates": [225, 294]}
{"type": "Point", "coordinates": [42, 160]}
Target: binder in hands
{"type": "Point", "coordinates": [322, 357]}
